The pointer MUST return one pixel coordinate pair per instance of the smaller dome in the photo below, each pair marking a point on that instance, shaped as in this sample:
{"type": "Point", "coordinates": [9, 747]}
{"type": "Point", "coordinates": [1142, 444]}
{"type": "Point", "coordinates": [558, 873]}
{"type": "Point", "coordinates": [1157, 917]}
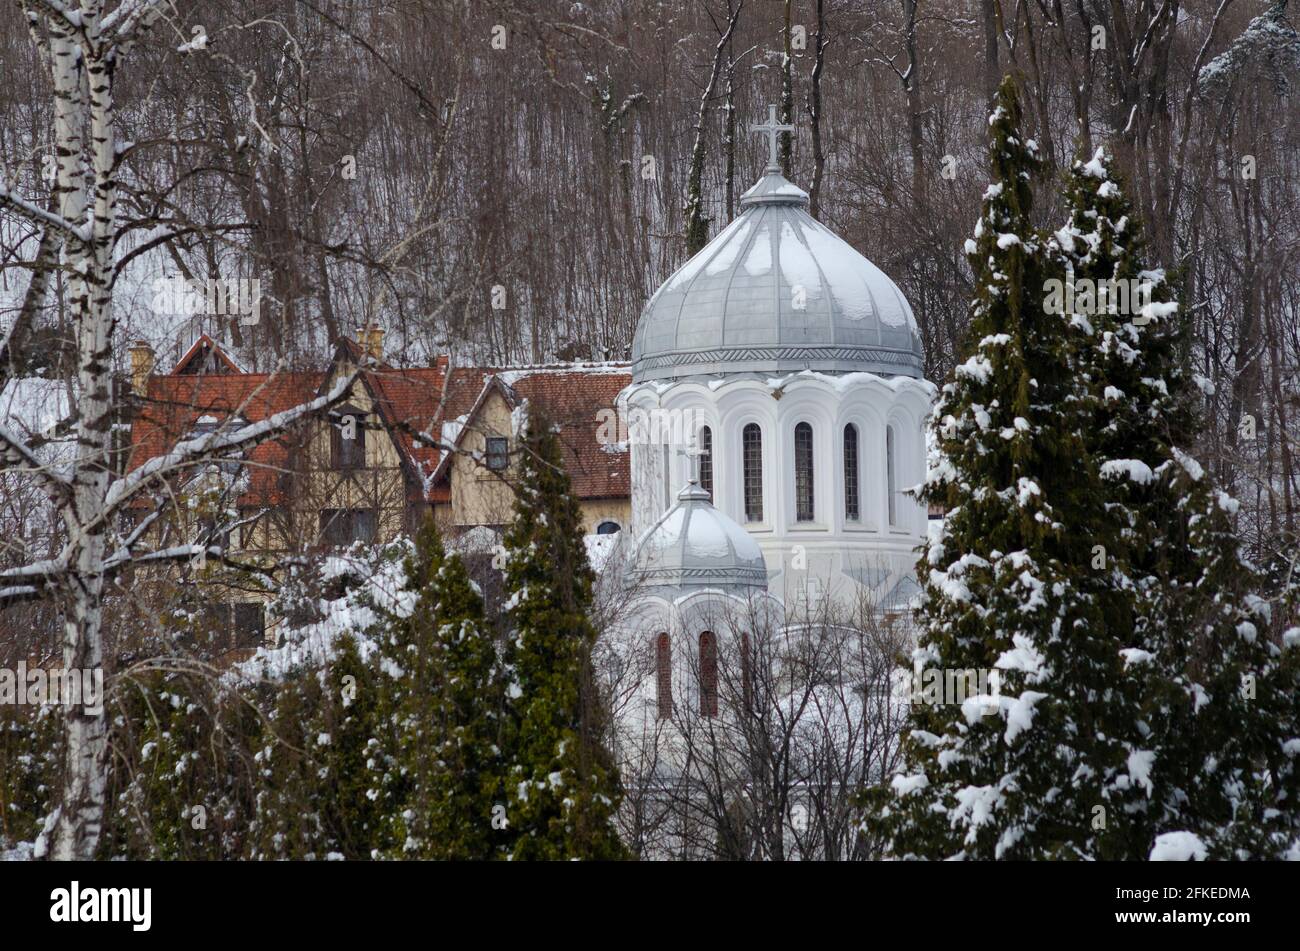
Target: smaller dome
{"type": "Point", "coordinates": [695, 546]}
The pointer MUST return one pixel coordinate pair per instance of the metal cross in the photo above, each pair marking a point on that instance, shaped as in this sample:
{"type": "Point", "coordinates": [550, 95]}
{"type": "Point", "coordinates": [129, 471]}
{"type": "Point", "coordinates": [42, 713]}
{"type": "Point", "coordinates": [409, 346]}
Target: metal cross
{"type": "Point", "coordinates": [693, 452]}
{"type": "Point", "coordinates": [771, 129]}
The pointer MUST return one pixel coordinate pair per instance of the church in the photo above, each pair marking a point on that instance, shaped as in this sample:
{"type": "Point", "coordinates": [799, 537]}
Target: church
{"type": "Point", "coordinates": [777, 410]}
{"type": "Point", "coordinates": [791, 368]}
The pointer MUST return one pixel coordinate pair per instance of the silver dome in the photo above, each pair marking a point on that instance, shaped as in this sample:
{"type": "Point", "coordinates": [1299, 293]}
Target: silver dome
{"type": "Point", "coordinates": [695, 546]}
{"type": "Point", "coordinates": [733, 307]}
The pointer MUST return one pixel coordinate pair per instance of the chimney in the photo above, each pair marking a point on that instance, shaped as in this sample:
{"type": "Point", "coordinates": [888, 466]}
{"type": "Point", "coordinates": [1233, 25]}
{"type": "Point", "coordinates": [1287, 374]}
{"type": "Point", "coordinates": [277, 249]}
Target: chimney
{"type": "Point", "coordinates": [142, 363]}
{"type": "Point", "coordinates": [373, 341]}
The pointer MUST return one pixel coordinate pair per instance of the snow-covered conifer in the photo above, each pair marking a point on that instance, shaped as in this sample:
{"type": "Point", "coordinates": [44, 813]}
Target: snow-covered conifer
{"type": "Point", "coordinates": [1209, 695]}
{"type": "Point", "coordinates": [1017, 770]}
{"type": "Point", "coordinates": [563, 787]}
{"type": "Point", "coordinates": [446, 695]}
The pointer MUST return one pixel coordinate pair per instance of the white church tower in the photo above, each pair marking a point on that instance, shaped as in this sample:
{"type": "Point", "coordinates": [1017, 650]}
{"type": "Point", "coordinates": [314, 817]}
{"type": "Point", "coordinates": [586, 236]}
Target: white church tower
{"type": "Point", "coordinates": [783, 370]}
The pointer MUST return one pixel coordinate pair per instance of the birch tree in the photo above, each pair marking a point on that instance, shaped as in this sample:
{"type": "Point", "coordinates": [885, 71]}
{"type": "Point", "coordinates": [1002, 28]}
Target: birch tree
{"type": "Point", "coordinates": [85, 46]}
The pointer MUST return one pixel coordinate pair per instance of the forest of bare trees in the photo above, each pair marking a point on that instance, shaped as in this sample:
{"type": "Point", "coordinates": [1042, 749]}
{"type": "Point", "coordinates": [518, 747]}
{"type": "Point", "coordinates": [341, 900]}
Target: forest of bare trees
{"type": "Point", "coordinates": [511, 181]}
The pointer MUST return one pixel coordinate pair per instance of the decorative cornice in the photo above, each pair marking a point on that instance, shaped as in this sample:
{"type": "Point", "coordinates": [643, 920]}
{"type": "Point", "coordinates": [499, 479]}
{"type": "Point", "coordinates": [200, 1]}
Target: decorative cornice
{"type": "Point", "coordinates": [675, 576]}
{"type": "Point", "coordinates": [903, 359]}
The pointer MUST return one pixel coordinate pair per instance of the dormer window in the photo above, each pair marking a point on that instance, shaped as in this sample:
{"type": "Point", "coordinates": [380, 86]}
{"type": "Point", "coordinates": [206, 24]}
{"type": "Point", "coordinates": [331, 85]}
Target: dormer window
{"type": "Point", "coordinates": [348, 440]}
{"type": "Point", "coordinates": [498, 453]}
{"type": "Point", "coordinates": [204, 426]}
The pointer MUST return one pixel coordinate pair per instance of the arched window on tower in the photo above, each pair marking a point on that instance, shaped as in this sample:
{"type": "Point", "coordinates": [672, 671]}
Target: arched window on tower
{"type": "Point", "coordinates": [752, 466]}
{"type": "Point", "coordinates": [852, 493]}
{"type": "Point", "coordinates": [706, 460]}
{"type": "Point", "coordinates": [708, 675]}
{"type": "Point", "coordinates": [891, 479]}
{"type": "Point", "coordinates": [803, 473]}
{"type": "Point", "coordinates": [664, 675]}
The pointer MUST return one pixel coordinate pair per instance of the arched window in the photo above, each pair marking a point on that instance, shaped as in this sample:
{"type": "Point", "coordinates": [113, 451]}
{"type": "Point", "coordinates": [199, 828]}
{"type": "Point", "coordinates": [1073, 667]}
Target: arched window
{"type": "Point", "coordinates": [752, 453]}
{"type": "Point", "coordinates": [706, 460]}
{"type": "Point", "coordinates": [608, 528]}
{"type": "Point", "coordinates": [852, 494]}
{"type": "Point", "coordinates": [891, 486]}
{"type": "Point", "coordinates": [664, 675]}
{"type": "Point", "coordinates": [708, 675]}
{"type": "Point", "coordinates": [803, 473]}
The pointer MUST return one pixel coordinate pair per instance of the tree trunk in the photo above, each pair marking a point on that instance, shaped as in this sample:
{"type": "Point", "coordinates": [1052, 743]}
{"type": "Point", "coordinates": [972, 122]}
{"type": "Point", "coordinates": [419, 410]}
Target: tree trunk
{"type": "Point", "coordinates": [697, 225]}
{"type": "Point", "coordinates": [992, 71]}
{"type": "Point", "coordinates": [815, 113]}
{"type": "Point", "coordinates": [787, 96]}
{"type": "Point", "coordinates": [77, 831]}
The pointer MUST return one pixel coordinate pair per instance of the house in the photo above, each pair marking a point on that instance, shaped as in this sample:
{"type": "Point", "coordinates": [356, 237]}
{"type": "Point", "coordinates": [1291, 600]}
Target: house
{"type": "Point", "coordinates": [408, 443]}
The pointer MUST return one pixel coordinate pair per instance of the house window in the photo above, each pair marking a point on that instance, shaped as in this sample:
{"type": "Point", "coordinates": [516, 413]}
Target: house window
{"type": "Point", "coordinates": [852, 495]}
{"type": "Point", "coordinates": [708, 675]}
{"type": "Point", "coordinates": [803, 473]}
{"type": "Point", "coordinates": [498, 453]}
{"type": "Point", "coordinates": [706, 460]}
{"type": "Point", "coordinates": [341, 527]}
{"type": "Point", "coordinates": [891, 487]}
{"type": "Point", "coordinates": [752, 464]}
{"type": "Point", "coordinates": [664, 675]}
{"type": "Point", "coordinates": [608, 528]}
{"type": "Point", "coordinates": [348, 441]}
{"type": "Point", "coordinates": [249, 624]}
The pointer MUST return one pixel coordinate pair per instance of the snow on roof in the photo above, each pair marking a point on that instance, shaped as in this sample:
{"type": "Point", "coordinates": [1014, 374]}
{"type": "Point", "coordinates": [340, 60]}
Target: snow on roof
{"type": "Point", "coordinates": [513, 375]}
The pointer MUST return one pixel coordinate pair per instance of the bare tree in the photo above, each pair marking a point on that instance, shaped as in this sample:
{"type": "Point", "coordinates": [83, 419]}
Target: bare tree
{"type": "Point", "coordinates": [769, 749]}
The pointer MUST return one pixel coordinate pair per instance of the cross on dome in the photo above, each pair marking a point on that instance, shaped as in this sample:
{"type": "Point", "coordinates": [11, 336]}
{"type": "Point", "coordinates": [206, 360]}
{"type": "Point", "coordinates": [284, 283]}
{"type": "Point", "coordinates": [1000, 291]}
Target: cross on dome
{"type": "Point", "coordinates": [693, 452]}
{"type": "Point", "coordinates": [771, 129]}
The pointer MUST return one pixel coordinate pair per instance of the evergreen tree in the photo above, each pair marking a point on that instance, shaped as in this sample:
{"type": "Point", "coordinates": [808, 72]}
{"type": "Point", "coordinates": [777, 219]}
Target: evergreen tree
{"type": "Point", "coordinates": [1018, 774]}
{"type": "Point", "coordinates": [179, 786]}
{"type": "Point", "coordinates": [563, 787]}
{"type": "Point", "coordinates": [324, 761]}
{"type": "Point", "coordinates": [1209, 696]}
{"type": "Point", "coordinates": [447, 704]}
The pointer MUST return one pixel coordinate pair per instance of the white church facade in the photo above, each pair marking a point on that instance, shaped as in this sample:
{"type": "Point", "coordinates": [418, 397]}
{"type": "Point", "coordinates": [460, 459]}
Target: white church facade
{"type": "Point", "coordinates": [781, 372]}
{"type": "Point", "coordinates": [777, 416]}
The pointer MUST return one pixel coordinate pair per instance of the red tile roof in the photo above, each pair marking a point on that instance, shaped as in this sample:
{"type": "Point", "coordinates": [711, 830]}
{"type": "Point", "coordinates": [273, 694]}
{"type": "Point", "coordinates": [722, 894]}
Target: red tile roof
{"type": "Point", "coordinates": [176, 403]}
{"type": "Point", "coordinates": [573, 399]}
{"type": "Point", "coordinates": [409, 401]}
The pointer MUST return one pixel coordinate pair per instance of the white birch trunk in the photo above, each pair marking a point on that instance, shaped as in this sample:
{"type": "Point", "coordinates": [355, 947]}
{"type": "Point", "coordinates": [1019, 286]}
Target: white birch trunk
{"type": "Point", "coordinates": [83, 46]}
{"type": "Point", "coordinates": [77, 832]}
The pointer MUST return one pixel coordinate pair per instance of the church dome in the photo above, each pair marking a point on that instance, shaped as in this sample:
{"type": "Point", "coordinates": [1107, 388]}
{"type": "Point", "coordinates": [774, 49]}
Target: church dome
{"type": "Point", "coordinates": [695, 545]}
{"type": "Point", "coordinates": [776, 292]}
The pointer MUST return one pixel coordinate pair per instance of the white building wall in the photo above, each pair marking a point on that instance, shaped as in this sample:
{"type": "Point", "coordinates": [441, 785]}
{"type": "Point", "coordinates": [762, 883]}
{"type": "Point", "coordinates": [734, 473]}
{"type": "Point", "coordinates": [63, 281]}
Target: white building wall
{"type": "Point", "coordinates": [830, 550]}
